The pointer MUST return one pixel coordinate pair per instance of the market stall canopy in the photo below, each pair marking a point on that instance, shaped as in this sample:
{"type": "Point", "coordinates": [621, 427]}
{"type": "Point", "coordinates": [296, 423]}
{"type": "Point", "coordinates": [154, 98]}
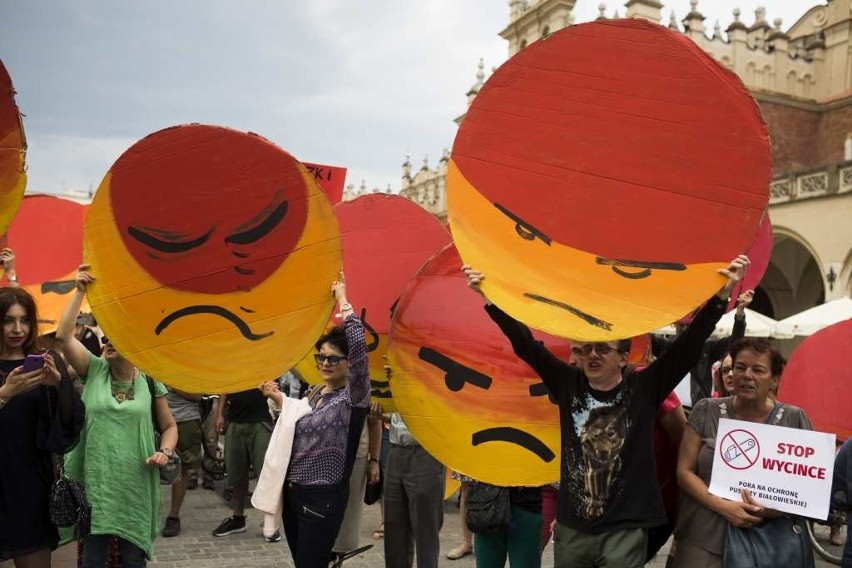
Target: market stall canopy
{"type": "Point", "coordinates": [811, 321]}
{"type": "Point", "coordinates": [757, 325]}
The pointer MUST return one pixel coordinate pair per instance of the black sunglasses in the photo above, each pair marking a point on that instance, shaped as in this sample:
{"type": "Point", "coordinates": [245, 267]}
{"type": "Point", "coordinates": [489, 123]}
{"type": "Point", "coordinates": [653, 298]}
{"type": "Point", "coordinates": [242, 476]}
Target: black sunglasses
{"type": "Point", "coordinates": [333, 360]}
{"type": "Point", "coordinates": [586, 350]}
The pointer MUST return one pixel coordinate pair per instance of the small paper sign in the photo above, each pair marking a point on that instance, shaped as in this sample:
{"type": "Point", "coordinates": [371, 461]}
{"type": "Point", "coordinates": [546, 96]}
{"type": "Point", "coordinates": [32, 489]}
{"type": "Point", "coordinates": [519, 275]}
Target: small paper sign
{"type": "Point", "coordinates": [786, 469]}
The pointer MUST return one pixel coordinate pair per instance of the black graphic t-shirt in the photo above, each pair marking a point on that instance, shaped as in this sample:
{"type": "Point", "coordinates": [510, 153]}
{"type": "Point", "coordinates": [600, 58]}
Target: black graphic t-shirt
{"type": "Point", "coordinates": [608, 469]}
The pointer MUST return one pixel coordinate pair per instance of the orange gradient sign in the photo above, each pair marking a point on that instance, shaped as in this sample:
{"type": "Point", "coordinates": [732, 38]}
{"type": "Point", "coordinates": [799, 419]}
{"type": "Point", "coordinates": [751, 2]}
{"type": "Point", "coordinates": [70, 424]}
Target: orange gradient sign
{"type": "Point", "coordinates": [462, 391]}
{"type": "Point", "coordinates": [213, 251]}
{"type": "Point", "coordinates": [601, 178]}
{"type": "Point", "coordinates": [47, 237]}
{"type": "Point", "coordinates": [13, 149]}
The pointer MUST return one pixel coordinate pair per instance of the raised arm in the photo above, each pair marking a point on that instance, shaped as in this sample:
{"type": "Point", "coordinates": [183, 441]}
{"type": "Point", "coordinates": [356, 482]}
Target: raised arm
{"type": "Point", "coordinates": [718, 349]}
{"type": "Point", "coordinates": [356, 339]}
{"type": "Point", "coordinates": [7, 260]}
{"type": "Point", "coordinates": [667, 371]}
{"type": "Point", "coordinates": [75, 352]}
{"type": "Point", "coordinates": [547, 365]}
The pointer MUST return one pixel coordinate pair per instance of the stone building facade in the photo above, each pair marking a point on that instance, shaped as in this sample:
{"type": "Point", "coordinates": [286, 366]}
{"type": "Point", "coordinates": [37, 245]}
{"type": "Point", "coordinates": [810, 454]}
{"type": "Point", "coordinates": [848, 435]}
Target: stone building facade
{"type": "Point", "coordinates": [801, 78]}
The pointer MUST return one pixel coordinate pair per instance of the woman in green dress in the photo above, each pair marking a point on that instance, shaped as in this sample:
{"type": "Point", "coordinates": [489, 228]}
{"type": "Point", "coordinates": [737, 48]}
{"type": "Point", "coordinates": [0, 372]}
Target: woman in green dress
{"type": "Point", "coordinates": [116, 459]}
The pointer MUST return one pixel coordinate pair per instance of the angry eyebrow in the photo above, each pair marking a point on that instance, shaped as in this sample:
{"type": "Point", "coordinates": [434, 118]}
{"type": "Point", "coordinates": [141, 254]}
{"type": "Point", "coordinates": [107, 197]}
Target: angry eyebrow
{"type": "Point", "coordinates": [166, 241]}
{"type": "Point", "coordinates": [524, 229]}
{"type": "Point", "coordinates": [645, 267]}
{"type": "Point", "coordinates": [457, 375]}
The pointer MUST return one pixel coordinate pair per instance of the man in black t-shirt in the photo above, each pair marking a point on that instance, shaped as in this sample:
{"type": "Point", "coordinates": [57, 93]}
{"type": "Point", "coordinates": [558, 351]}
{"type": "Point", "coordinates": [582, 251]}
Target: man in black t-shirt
{"type": "Point", "coordinates": [608, 496]}
{"type": "Point", "coordinates": [249, 428]}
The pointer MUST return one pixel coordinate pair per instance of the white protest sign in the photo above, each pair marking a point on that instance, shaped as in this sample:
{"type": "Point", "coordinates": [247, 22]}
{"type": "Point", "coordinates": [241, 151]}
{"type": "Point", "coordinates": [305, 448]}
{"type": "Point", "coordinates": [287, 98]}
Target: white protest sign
{"type": "Point", "coordinates": [783, 468]}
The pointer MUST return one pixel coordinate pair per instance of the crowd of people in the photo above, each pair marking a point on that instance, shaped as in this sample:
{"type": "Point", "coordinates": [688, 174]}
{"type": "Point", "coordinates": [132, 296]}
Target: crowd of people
{"type": "Point", "coordinates": [83, 409]}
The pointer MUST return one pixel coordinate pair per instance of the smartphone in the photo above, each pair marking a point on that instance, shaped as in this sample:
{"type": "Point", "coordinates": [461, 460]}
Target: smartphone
{"type": "Point", "coordinates": [33, 363]}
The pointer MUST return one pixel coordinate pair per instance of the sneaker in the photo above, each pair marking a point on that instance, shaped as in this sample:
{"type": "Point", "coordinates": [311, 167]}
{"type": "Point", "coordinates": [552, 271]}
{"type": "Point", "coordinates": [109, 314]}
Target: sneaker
{"type": "Point", "coordinates": [230, 525]}
{"type": "Point", "coordinates": [208, 484]}
{"type": "Point", "coordinates": [172, 527]}
{"type": "Point", "coordinates": [276, 537]}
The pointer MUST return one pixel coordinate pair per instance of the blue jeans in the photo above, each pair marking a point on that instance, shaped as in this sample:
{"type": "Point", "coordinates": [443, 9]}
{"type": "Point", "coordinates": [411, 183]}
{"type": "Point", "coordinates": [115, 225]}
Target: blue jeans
{"type": "Point", "coordinates": [96, 552]}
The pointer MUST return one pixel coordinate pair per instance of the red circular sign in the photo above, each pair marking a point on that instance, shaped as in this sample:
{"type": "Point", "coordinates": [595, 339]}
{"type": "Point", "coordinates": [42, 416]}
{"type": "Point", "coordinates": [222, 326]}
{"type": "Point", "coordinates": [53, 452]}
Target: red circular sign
{"type": "Point", "coordinates": [739, 449]}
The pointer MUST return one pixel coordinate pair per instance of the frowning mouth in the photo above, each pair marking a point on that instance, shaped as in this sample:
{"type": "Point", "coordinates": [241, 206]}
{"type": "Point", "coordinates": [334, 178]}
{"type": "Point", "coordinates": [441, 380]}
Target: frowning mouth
{"type": "Point", "coordinates": [238, 322]}
{"type": "Point", "coordinates": [517, 437]}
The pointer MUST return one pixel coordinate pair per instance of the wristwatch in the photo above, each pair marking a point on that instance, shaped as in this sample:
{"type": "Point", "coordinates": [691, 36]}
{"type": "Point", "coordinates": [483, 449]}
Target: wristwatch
{"type": "Point", "coordinates": [167, 451]}
{"type": "Point", "coordinates": [346, 307]}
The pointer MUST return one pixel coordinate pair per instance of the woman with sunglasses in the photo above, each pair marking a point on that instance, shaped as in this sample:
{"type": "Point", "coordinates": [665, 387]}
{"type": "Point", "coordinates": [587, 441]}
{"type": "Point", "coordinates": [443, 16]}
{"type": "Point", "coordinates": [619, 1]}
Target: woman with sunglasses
{"type": "Point", "coordinates": [326, 440]}
{"type": "Point", "coordinates": [116, 458]}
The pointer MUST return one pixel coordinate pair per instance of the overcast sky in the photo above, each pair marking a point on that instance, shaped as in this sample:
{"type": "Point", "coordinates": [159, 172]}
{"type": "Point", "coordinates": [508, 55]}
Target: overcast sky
{"type": "Point", "coordinates": [356, 84]}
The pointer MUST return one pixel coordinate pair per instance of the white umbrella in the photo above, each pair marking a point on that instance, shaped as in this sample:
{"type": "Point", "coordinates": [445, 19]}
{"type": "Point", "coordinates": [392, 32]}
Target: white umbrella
{"type": "Point", "coordinates": [757, 325]}
{"type": "Point", "coordinates": [811, 321]}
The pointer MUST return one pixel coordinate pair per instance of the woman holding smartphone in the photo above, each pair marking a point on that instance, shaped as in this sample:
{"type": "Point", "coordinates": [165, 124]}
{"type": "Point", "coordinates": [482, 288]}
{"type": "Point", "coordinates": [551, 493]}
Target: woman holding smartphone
{"type": "Point", "coordinates": [116, 459]}
{"type": "Point", "coordinates": [40, 413]}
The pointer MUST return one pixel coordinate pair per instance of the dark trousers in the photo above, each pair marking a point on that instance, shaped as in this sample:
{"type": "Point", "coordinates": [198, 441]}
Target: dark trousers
{"type": "Point", "coordinates": [96, 552]}
{"type": "Point", "coordinates": [312, 516]}
{"type": "Point", "coordinates": [414, 508]}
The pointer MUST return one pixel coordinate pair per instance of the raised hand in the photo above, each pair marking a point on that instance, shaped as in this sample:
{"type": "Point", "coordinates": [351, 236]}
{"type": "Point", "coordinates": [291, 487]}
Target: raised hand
{"type": "Point", "coordinates": [84, 277]}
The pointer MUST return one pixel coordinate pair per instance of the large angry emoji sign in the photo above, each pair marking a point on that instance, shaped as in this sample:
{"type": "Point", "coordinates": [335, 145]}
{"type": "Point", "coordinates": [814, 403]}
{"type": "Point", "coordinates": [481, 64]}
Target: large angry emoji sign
{"type": "Point", "coordinates": [213, 251]}
{"type": "Point", "coordinates": [13, 147]}
{"type": "Point", "coordinates": [603, 175]}
{"type": "Point", "coordinates": [47, 237]}
{"type": "Point", "coordinates": [462, 391]}
{"type": "Point", "coordinates": [386, 239]}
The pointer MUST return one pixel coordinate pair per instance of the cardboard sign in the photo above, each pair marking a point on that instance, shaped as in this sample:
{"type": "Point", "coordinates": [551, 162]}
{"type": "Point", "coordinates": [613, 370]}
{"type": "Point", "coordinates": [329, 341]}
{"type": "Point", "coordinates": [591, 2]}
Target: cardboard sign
{"type": "Point", "coordinates": [331, 179]}
{"type": "Point", "coordinates": [462, 391]}
{"type": "Point", "coordinates": [213, 251]}
{"type": "Point", "coordinates": [759, 254]}
{"type": "Point", "coordinates": [786, 469]}
{"type": "Point", "coordinates": [13, 149]}
{"type": "Point", "coordinates": [47, 237]}
{"type": "Point", "coordinates": [818, 377]}
{"type": "Point", "coordinates": [386, 239]}
{"type": "Point", "coordinates": [590, 170]}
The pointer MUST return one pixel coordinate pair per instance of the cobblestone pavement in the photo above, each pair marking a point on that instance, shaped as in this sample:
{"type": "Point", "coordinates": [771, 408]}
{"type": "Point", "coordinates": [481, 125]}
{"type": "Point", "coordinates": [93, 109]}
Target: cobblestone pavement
{"type": "Point", "coordinates": [203, 510]}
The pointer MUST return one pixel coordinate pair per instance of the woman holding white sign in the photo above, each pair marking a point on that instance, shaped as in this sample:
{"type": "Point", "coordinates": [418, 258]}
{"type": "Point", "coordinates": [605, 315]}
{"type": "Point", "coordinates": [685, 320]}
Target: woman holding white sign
{"type": "Point", "coordinates": [703, 517]}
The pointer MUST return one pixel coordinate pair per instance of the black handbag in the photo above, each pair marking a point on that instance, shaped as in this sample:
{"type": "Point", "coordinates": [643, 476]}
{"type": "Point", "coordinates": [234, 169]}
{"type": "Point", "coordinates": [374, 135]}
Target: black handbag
{"type": "Point", "coordinates": [68, 505]}
{"type": "Point", "coordinates": [373, 491]}
{"type": "Point", "coordinates": [170, 472]}
{"type": "Point", "coordinates": [488, 508]}
{"type": "Point", "coordinates": [775, 542]}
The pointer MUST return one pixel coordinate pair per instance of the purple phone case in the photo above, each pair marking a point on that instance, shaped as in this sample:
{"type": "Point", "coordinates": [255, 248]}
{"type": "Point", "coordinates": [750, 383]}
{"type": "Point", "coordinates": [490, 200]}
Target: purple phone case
{"type": "Point", "coordinates": [33, 362]}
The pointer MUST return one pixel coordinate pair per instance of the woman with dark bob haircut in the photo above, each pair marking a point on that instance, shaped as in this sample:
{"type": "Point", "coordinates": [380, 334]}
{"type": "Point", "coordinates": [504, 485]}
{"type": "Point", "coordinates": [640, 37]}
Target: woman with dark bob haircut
{"type": "Point", "coordinates": [703, 517]}
{"type": "Point", "coordinates": [40, 413]}
{"type": "Point", "coordinates": [326, 440]}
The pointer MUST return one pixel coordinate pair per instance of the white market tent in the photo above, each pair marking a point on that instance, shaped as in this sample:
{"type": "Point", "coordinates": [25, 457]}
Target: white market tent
{"type": "Point", "coordinates": [811, 321]}
{"type": "Point", "coordinates": [757, 325]}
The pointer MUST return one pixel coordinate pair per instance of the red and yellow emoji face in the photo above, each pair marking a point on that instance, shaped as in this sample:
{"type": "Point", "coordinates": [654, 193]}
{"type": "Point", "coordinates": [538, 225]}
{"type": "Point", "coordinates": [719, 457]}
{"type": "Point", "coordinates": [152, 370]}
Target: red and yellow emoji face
{"type": "Point", "coordinates": [13, 148]}
{"type": "Point", "coordinates": [47, 237]}
{"type": "Point", "coordinates": [213, 251]}
{"type": "Point", "coordinates": [462, 391]}
{"type": "Point", "coordinates": [386, 239]}
{"type": "Point", "coordinates": [599, 186]}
